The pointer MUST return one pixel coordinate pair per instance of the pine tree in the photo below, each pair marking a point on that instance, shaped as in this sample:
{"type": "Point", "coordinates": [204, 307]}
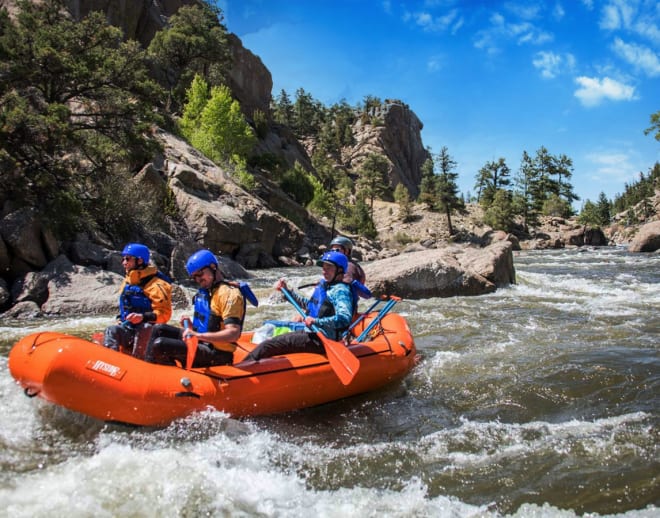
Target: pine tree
{"type": "Point", "coordinates": [428, 193]}
{"type": "Point", "coordinates": [491, 178]}
{"type": "Point", "coordinates": [446, 186]}
{"type": "Point", "coordinates": [373, 180]}
{"type": "Point", "coordinates": [402, 197]}
{"type": "Point", "coordinates": [283, 109]}
{"type": "Point", "coordinates": [194, 42]}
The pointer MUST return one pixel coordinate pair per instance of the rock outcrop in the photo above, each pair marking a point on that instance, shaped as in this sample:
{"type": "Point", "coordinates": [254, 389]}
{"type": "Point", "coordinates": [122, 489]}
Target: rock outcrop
{"type": "Point", "coordinates": [394, 131]}
{"type": "Point", "coordinates": [647, 238]}
{"type": "Point", "coordinates": [444, 272]}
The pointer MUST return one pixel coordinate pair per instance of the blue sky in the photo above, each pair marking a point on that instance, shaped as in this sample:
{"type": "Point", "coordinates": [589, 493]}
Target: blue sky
{"type": "Point", "coordinates": [488, 79]}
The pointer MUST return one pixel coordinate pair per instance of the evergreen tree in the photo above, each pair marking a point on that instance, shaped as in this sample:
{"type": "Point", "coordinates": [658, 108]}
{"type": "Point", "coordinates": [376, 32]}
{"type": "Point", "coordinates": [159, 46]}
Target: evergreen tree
{"type": "Point", "coordinates": [76, 109]}
{"type": "Point", "coordinates": [428, 193]}
{"type": "Point", "coordinates": [523, 198]}
{"type": "Point", "coordinates": [298, 184]}
{"type": "Point", "coordinates": [499, 213]}
{"type": "Point", "coordinates": [306, 114]}
{"type": "Point", "coordinates": [603, 210]}
{"type": "Point", "coordinates": [655, 126]}
{"type": "Point", "coordinates": [194, 42]}
{"type": "Point", "coordinates": [283, 111]}
{"type": "Point", "coordinates": [373, 180]}
{"type": "Point", "coordinates": [589, 214]}
{"type": "Point", "coordinates": [491, 178]}
{"type": "Point", "coordinates": [446, 186]}
{"type": "Point", "coordinates": [402, 197]}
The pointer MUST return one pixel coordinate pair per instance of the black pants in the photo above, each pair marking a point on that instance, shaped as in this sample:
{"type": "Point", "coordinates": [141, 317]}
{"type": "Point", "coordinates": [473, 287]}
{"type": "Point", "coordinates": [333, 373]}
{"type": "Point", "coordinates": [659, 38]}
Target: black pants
{"type": "Point", "coordinates": [167, 345]}
{"type": "Point", "coordinates": [129, 338]}
{"type": "Point", "coordinates": [295, 342]}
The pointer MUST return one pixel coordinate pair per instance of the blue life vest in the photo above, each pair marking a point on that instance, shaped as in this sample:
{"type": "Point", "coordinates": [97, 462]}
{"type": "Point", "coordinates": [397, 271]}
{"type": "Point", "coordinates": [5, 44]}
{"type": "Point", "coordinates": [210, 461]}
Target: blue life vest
{"type": "Point", "coordinates": [202, 310]}
{"type": "Point", "coordinates": [134, 300]}
{"type": "Point", "coordinates": [203, 319]}
{"type": "Point", "coordinates": [319, 306]}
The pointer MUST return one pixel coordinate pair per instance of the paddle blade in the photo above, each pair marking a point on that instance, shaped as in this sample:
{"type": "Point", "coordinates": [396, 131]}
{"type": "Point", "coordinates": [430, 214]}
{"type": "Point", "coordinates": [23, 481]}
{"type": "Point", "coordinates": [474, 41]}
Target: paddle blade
{"type": "Point", "coordinates": [191, 344]}
{"type": "Point", "coordinates": [342, 360]}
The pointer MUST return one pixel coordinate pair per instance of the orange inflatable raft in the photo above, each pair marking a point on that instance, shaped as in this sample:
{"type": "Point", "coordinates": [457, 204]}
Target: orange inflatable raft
{"type": "Point", "coordinates": [115, 387]}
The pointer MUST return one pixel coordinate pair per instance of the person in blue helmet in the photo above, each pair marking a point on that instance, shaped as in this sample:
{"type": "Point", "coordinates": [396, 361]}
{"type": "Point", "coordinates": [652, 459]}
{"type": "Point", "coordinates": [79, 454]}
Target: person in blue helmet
{"type": "Point", "coordinates": [330, 309]}
{"type": "Point", "coordinates": [219, 311]}
{"type": "Point", "coordinates": [145, 299]}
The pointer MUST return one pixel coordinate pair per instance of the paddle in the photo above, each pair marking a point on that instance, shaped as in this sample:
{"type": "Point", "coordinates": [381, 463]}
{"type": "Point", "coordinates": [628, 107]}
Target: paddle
{"type": "Point", "coordinates": [361, 317]}
{"type": "Point", "coordinates": [341, 359]}
{"type": "Point", "coordinates": [393, 300]}
{"type": "Point", "coordinates": [191, 345]}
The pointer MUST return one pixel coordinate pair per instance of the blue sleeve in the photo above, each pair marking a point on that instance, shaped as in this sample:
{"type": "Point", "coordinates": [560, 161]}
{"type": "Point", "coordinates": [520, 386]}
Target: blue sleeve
{"type": "Point", "coordinates": [342, 299]}
{"type": "Point", "coordinates": [302, 301]}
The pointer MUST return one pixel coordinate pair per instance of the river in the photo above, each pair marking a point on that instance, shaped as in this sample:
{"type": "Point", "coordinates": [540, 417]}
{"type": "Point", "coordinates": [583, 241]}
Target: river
{"type": "Point", "coordinates": [539, 400]}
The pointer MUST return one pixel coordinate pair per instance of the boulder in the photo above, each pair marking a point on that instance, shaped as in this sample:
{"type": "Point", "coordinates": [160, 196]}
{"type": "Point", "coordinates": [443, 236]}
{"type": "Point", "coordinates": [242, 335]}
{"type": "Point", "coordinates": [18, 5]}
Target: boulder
{"type": "Point", "coordinates": [452, 271]}
{"type": "Point", "coordinates": [647, 239]}
{"type": "Point", "coordinates": [30, 244]}
{"type": "Point", "coordinates": [77, 290]}
{"type": "Point", "coordinates": [26, 310]}
{"type": "Point", "coordinates": [5, 295]}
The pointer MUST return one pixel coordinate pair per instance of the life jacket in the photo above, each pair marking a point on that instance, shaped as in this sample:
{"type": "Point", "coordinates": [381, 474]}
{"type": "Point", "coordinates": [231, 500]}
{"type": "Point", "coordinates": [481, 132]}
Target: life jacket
{"type": "Point", "coordinates": [133, 299]}
{"type": "Point", "coordinates": [203, 319]}
{"type": "Point", "coordinates": [319, 306]}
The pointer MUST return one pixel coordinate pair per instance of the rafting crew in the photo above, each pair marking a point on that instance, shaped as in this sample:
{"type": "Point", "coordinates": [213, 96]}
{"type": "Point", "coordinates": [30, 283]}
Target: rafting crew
{"type": "Point", "coordinates": [219, 311]}
{"type": "Point", "coordinates": [329, 309]}
{"type": "Point", "coordinates": [145, 299]}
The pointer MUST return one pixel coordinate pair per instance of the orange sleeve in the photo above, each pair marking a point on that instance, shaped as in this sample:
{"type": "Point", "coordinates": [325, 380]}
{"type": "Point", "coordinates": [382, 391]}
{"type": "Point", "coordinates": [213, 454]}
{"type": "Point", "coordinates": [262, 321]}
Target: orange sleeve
{"type": "Point", "coordinates": [160, 294]}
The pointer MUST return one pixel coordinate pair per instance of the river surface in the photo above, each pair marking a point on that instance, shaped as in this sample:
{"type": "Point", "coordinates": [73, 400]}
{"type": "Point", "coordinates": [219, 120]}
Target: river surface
{"type": "Point", "coordinates": [540, 400]}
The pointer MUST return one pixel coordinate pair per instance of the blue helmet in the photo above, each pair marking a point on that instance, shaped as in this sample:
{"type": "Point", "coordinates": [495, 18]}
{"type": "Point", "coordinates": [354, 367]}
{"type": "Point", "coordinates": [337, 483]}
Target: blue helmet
{"type": "Point", "coordinates": [200, 259]}
{"type": "Point", "coordinates": [336, 258]}
{"type": "Point", "coordinates": [137, 250]}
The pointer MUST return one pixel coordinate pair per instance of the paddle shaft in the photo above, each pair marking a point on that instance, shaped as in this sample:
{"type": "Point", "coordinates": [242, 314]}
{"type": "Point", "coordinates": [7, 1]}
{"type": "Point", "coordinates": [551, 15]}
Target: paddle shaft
{"type": "Point", "coordinates": [378, 318]}
{"type": "Point", "coordinates": [361, 317]}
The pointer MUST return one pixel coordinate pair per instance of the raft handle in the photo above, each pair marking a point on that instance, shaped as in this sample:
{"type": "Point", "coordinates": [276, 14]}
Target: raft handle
{"type": "Point", "coordinates": [187, 394]}
{"type": "Point", "coordinates": [29, 393]}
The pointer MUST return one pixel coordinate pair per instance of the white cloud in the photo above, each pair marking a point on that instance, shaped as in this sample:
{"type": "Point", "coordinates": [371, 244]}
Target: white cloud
{"type": "Point", "coordinates": [551, 64]}
{"type": "Point", "coordinates": [524, 11]}
{"type": "Point", "coordinates": [558, 11]}
{"type": "Point", "coordinates": [611, 166]}
{"type": "Point", "coordinates": [639, 56]}
{"type": "Point", "coordinates": [593, 91]}
{"type": "Point", "coordinates": [435, 63]}
{"type": "Point", "coordinates": [617, 14]}
{"type": "Point", "coordinates": [500, 30]}
{"type": "Point", "coordinates": [650, 31]}
{"type": "Point", "coordinates": [638, 17]}
{"type": "Point", "coordinates": [449, 21]}
{"type": "Point", "coordinates": [589, 4]}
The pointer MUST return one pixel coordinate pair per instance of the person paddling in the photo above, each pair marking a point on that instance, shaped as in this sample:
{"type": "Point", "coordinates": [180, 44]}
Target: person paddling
{"type": "Point", "coordinates": [329, 309]}
{"type": "Point", "coordinates": [219, 311]}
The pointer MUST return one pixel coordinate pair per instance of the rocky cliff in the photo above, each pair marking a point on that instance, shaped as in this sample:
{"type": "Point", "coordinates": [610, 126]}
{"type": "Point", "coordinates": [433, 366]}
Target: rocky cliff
{"type": "Point", "coordinates": [397, 135]}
